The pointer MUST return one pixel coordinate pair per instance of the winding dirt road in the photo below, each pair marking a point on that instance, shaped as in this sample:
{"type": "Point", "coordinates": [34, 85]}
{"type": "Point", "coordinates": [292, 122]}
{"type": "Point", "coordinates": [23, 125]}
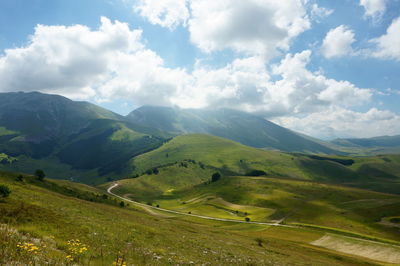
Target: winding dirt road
{"type": "Point", "coordinates": [109, 191]}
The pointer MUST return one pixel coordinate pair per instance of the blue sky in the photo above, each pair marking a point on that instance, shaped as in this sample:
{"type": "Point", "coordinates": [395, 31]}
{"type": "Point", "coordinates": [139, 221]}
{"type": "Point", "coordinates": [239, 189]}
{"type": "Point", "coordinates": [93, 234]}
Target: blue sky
{"type": "Point", "coordinates": [325, 68]}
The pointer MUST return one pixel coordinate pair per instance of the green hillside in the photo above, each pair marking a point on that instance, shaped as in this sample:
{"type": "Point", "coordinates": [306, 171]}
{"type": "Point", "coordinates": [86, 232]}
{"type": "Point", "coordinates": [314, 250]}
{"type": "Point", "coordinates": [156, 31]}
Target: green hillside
{"type": "Point", "coordinates": [61, 223]}
{"type": "Point", "coordinates": [379, 173]}
{"type": "Point", "coordinates": [239, 126]}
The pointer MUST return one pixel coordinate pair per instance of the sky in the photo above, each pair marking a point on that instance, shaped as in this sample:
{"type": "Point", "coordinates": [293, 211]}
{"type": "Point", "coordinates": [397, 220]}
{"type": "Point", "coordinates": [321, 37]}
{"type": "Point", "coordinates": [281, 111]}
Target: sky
{"type": "Point", "coordinates": [324, 68]}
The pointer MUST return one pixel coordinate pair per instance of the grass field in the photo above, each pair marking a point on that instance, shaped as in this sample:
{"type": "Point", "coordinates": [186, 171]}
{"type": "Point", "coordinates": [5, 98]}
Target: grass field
{"type": "Point", "coordinates": [50, 222]}
{"type": "Point", "coordinates": [266, 199]}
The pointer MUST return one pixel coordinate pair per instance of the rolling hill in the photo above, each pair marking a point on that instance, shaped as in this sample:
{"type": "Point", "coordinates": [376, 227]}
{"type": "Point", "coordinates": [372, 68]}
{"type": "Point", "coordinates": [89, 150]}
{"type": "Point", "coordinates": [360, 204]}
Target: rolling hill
{"type": "Point", "coordinates": [235, 125]}
{"type": "Point", "coordinates": [380, 173]}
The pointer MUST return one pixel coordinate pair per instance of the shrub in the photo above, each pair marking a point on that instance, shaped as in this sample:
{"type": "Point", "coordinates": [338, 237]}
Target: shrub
{"type": "Point", "coordinates": [215, 177]}
{"type": "Point", "coordinates": [256, 173]}
{"type": "Point", "coordinates": [4, 191]}
{"type": "Point", "coordinates": [259, 242]}
{"type": "Point", "coordinates": [247, 219]}
{"type": "Point", "coordinates": [122, 204]}
{"type": "Point", "coordinates": [149, 172]}
{"type": "Point", "coordinates": [20, 178]}
{"type": "Point", "coordinates": [40, 174]}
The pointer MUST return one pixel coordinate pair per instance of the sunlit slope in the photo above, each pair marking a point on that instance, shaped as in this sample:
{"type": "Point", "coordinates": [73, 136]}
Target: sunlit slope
{"type": "Point", "coordinates": [48, 215]}
{"type": "Point", "coordinates": [167, 180]}
{"type": "Point", "coordinates": [219, 153]}
{"type": "Point", "coordinates": [380, 173]}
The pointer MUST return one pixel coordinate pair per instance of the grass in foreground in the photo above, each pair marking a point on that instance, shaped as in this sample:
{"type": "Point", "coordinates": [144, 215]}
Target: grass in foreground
{"type": "Point", "coordinates": [41, 226]}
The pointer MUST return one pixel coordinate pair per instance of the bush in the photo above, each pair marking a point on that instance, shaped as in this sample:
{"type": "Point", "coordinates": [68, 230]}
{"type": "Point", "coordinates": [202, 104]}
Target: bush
{"type": "Point", "coordinates": [4, 191]}
{"type": "Point", "coordinates": [20, 178]}
{"type": "Point", "coordinates": [122, 204]}
{"type": "Point", "coordinates": [215, 177]}
{"type": "Point", "coordinates": [149, 172]}
{"type": "Point", "coordinates": [259, 242]}
{"type": "Point", "coordinates": [40, 174]}
{"type": "Point", "coordinates": [256, 173]}
{"type": "Point", "coordinates": [247, 219]}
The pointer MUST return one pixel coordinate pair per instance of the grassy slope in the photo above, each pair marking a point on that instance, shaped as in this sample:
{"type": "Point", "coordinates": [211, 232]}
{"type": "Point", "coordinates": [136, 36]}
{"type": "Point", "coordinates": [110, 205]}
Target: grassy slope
{"type": "Point", "coordinates": [380, 173]}
{"type": "Point", "coordinates": [169, 179]}
{"type": "Point", "coordinates": [39, 215]}
{"type": "Point", "coordinates": [219, 153]}
{"type": "Point", "coordinates": [266, 199]}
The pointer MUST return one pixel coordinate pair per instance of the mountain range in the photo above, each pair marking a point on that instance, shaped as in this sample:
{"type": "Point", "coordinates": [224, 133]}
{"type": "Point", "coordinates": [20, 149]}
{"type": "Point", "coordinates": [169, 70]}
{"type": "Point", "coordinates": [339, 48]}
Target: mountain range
{"type": "Point", "coordinates": [86, 141]}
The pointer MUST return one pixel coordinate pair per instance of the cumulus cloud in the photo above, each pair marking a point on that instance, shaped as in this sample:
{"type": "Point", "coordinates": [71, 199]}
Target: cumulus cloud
{"type": "Point", "coordinates": [388, 45]}
{"type": "Point", "coordinates": [241, 83]}
{"type": "Point", "coordinates": [338, 42]}
{"type": "Point", "coordinates": [66, 60]}
{"type": "Point", "coordinates": [373, 8]}
{"type": "Point", "coordinates": [335, 122]}
{"type": "Point", "coordinates": [253, 27]}
{"type": "Point", "coordinates": [302, 91]}
{"type": "Point", "coordinates": [166, 13]}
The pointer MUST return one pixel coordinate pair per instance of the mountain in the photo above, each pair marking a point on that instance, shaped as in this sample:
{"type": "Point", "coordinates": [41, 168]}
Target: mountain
{"type": "Point", "coordinates": [384, 141]}
{"type": "Point", "coordinates": [50, 131]}
{"type": "Point", "coordinates": [235, 125]}
{"type": "Point", "coordinates": [39, 117]}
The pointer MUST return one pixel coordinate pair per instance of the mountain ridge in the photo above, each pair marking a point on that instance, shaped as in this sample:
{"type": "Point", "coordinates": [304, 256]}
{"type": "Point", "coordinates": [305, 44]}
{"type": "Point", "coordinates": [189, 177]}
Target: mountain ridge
{"type": "Point", "coordinates": [239, 126]}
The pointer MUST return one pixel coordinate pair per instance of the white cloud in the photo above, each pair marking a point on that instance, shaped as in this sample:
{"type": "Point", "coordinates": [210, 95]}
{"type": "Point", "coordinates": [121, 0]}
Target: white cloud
{"type": "Point", "coordinates": [388, 45]}
{"type": "Point", "coordinates": [241, 83]}
{"type": "Point", "coordinates": [335, 122]}
{"type": "Point", "coordinates": [373, 8]}
{"type": "Point", "coordinates": [142, 78]}
{"type": "Point", "coordinates": [66, 60]}
{"type": "Point", "coordinates": [166, 13]}
{"type": "Point", "coordinates": [338, 42]}
{"type": "Point", "coordinates": [255, 27]}
{"type": "Point", "coordinates": [317, 12]}
{"type": "Point", "coordinates": [302, 91]}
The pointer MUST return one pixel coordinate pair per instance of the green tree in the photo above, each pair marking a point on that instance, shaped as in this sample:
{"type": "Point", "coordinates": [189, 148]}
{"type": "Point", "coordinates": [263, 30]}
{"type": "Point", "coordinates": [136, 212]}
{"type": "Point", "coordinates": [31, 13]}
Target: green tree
{"type": "Point", "coordinates": [215, 177]}
{"type": "Point", "coordinates": [40, 174]}
{"type": "Point", "coordinates": [4, 191]}
{"type": "Point", "coordinates": [122, 204]}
